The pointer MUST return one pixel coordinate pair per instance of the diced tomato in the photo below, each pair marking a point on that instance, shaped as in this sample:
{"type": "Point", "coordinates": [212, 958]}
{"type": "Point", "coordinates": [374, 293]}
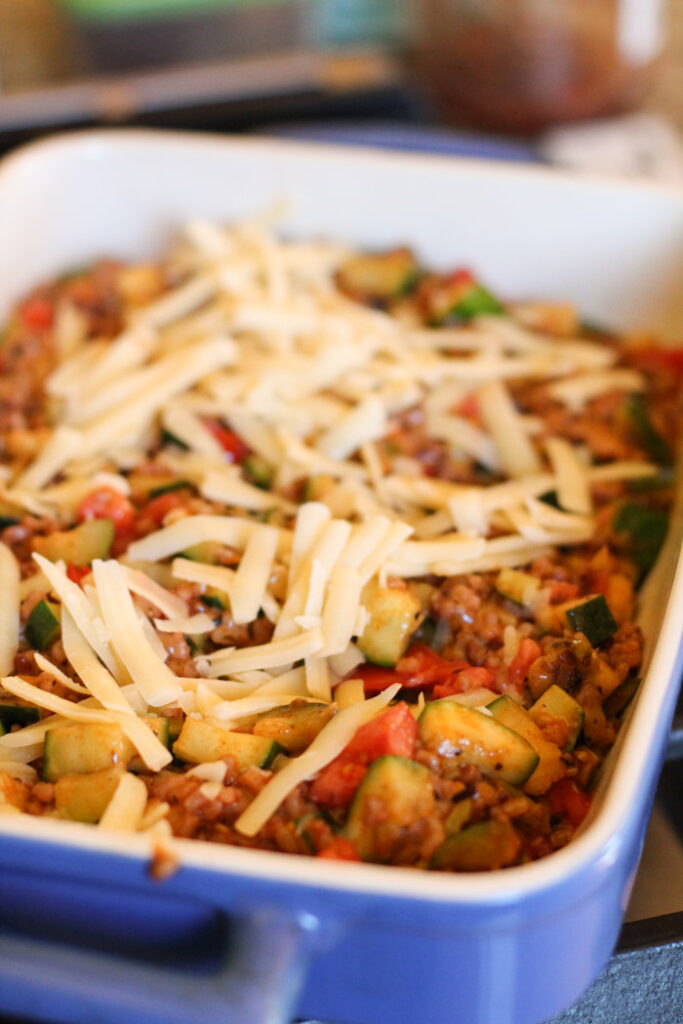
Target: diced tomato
{"type": "Point", "coordinates": [108, 503]}
{"type": "Point", "coordinates": [339, 849]}
{"type": "Point", "coordinates": [394, 731]}
{"type": "Point", "coordinates": [158, 508]}
{"type": "Point", "coordinates": [565, 799]}
{"type": "Point", "coordinates": [37, 313]}
{"type": "Point", "coordinates": [419, 668]}
{"type": "Point", "coordinates": [468, 406]}
{"type": "Point", "coordinates": [77, 573]}
{"type": "Point", "coordinates": [471, 678]}
{"type": "Point", "coordinates": [518, 668]}
{"type": "Point", "coordinates": [462, 276]}
{"type": "Point", "coordinates": [653, 357]}
{"type": "Point", "coordinates": [232, 444]}
{"type": "Point", "coordinates": [337, 782]}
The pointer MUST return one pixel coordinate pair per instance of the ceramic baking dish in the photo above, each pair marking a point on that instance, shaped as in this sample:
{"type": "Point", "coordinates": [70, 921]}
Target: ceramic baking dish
{"type": "Point", "coordinates": [86, 932]}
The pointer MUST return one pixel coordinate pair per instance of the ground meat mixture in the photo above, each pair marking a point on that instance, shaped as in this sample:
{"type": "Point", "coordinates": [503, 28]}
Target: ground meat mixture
{"type": "Point", "coordinates": [490, 645]}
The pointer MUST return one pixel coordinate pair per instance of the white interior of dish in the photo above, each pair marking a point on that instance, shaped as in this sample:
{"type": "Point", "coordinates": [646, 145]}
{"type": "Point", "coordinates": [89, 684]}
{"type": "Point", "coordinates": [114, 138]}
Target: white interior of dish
{"type": "Point", "coordinates": [612, 247]}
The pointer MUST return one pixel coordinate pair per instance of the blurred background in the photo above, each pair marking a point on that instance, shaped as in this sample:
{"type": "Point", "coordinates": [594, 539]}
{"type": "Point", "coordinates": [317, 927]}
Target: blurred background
{"type": "Point", "coordinates": [516, 71]}
{"type": "Point", "coordinates": [593, 84]}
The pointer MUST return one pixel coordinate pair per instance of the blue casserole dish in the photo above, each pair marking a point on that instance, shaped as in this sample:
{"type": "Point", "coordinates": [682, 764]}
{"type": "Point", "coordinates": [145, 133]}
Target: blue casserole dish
{"type": "Point", "coordinates": [102, 927]}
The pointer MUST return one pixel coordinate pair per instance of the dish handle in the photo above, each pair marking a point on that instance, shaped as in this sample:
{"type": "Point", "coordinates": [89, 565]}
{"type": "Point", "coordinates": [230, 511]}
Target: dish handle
{"type": "Point", "coordinates": [255, 977]}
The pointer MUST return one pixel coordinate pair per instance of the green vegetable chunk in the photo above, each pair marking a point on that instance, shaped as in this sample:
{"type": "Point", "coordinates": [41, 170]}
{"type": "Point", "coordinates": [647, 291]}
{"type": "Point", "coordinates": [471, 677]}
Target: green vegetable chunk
{"type": "Point", "coordinates": [201, 741]}
{"type": "Point", "coordinates": [395, 793]}
{"type": "Point", "coordinates": [293, 727]}
{"type": "Point", "coordinates": [394, 615]}
{"type": "Point", "coordinates": [85, 797]}
{"type": "Point", "coordinates": [484, 847]}
{"type": "Point", "coordinates": [16, 714]}
{"type": "Point", "coordinates": [550, 766]}
{"type": "Point", "coordinates": [638, 419]}
{"type": "Point", "coordinates": [556, 703]}
{"type": "Point", "coordinates": [79, 546]}
{"type": "Point", "coordinates": [85, 747]}
{"type": "Point", "coordinates": [641, 530]}
{"type": "Point", "coordinates": [43, 625]}
{"type": "Point", "coordinates": [471, 737]}
{"type": "Point", "coordinates": [594, 619]}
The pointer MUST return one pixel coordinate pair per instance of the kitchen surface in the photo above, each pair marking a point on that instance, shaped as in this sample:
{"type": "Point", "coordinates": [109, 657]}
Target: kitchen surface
{"type": "Point", "coordinates": [344, 73]}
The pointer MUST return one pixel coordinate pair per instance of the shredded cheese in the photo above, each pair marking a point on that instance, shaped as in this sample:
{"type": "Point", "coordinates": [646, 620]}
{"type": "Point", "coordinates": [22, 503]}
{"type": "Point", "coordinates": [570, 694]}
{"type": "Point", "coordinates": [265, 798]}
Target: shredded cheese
{"type": "Point", "coordinates": [329, 742]}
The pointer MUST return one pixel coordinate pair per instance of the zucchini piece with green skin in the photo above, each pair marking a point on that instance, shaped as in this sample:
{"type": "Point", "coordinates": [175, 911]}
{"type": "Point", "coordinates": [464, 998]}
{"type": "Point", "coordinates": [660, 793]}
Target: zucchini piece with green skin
{"type": "Point", "coordinates": [294, 727]}
{"type": "Point", "coordinates": [394, 615]}
{"type": "Point", "coordinates": [257, 471]}
{"type": "Point", "coordinates": [520, 587]}
{"type": "Point", "coordinates": [641, 531]}
{"type": "Point", "coordinates": [459, 816]}
{"type": "Point", "coordinates": [9, 515]}
{"type": "Point", "coordinates": [79, 546]}
{"type": "Point", "coordinates": [486, 846]}
{"type": "Point", "coordinates": [472, 737]}
{"type": "Point", "coordinates": [200, 741]}
{"type": "Point", "coordinates": [12, 713]}
{"type": "Point", "coordinates": [556, 703]}
{"type": "Point", "coordinates": [85, 797]}
{"type": "Point", "coordinates": [593, 618]}
{"type": "Point", "coordinates": [85, 747]}
{"type": "Point", "coordinates": [620, 698]}
{"type": "Point", "coordinates": [461, 298]}
{"type": "Point", "coordinates": [642, 427]}
{"type": "Point", "coordinates": [550, 767]}
{"type": "Point", "coordinates": [206, 551]}
{"type": "Point", "coordinates": [145, 486]}
{"type": "Point", "coordinates": [43, 625]}
{"type": "Point", "coordinates": [403, 790]}
{"type": "Point", "coordinates": [379, 277]}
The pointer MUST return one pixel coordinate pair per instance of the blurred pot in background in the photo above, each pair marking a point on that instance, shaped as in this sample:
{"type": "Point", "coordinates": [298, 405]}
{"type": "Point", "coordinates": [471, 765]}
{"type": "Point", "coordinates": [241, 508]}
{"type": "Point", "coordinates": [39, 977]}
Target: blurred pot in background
{"type": "Point", "coordinates": [522, 65]}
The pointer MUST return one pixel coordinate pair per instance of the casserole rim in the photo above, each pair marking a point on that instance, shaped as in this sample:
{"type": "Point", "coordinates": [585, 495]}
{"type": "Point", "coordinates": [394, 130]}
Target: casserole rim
{"type": "Point", "coordinates": [599, 843]}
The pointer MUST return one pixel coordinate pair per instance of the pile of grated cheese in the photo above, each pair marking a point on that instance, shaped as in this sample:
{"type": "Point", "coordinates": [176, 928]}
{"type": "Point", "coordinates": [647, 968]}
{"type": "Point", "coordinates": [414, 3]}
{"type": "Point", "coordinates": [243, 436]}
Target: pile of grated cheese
{"type": "Point", "coordinates": [259, 337]}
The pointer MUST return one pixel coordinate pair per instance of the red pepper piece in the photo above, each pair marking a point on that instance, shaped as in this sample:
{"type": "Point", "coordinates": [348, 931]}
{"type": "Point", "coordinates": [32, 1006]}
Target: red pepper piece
{"type": "Point", "coordinates": [232, 444]}
{"type": "Point", "coordinates": [566, 800]}
{"type": "Point", "coordinates": [339, 849]}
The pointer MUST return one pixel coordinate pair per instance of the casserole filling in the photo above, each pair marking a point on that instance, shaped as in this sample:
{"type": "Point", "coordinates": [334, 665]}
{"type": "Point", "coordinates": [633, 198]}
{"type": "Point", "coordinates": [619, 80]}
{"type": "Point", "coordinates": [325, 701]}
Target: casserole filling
{"type": "Point", "coordinates": [321, 552]}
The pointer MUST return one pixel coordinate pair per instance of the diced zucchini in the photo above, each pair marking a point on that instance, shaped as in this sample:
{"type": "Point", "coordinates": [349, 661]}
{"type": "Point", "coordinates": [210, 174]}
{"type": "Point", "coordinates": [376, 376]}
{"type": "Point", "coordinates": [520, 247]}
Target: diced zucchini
{"type": "Point", "coordinates": [85, 747]}
{"type": "Point", "coordinates": [459, 297]}
{"type": "Point", "coordinates": [257, 471]}
{"type": "Point", "coordinates": [517, 586]}
{"type": "Point", "coordinates": [79, 546]}
{"type": "Point", "coordinates": [641, 530]}
{"type": "Point", "coordinates": [159, 726]}
{"type": "Point", "coordinates": [472, 737]}
{"type": "Point", "coordinates": [168, 438]}
{"type": "Point", "coordinates": [316, 487]}
{"type": "Point", "coordinates": [550, 766]}
{"type": "Point", "coordinates": [85, 797]}
{"type": "Point", "coordinates": [43, 625]}
{"type": "Point", "coordinates": [206, 551]}
{"type": "Point", "coordinates": [620, 698]}
{"type": "Point", "coordinates": [12, 713]}
{"type": "Point", "coordinates": [459, 816]}
{"type": "Point", "coordinates": [394, 615]}
{"type": "Point", "coordinates": [556, 703]}
{"type": "Point", "coordinates": [201, 741]}
{"type": "Point", "coordinates": [486, 846]}
{"type": "Point", "coordinates": [638, 419]}
{"type": "Point", "coordinates": [592, 618]}
{"type": "Point", "coordinates": [215, 599]}
{"type": "Point", "coordinates": [294, 727]}
{"type": "Point", "coordinates": [379, 276]}
{"type": "Point", "coordinates": [9, 515]}
{"type": "Point", "coordinates": [144, 486]}
{"type": "Point", "coordinates": [403, 790]}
